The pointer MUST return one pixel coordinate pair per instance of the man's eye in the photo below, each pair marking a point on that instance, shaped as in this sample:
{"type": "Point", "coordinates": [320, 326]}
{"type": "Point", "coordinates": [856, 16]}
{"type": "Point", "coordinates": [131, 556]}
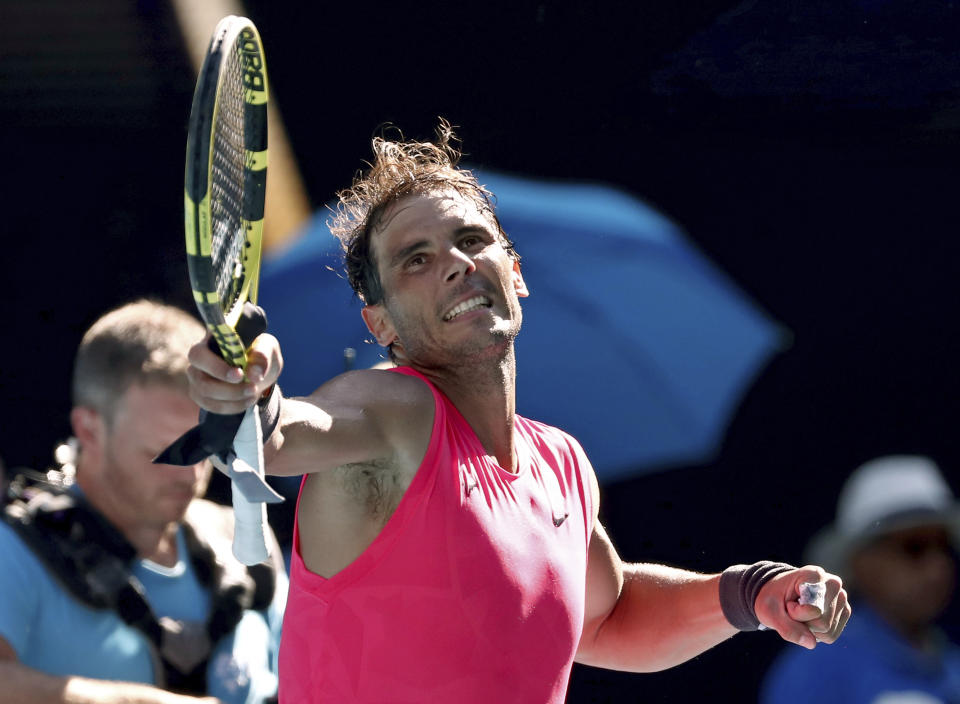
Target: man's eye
{"type": "Point", "coordinates": [470, 241]}
{"type": "Point", "coordinates": [416, 260]}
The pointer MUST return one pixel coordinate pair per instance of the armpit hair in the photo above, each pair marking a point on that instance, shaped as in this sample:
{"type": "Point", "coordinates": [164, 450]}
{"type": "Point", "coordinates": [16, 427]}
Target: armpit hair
{"type": "Point", "coordinates": [376, 484]}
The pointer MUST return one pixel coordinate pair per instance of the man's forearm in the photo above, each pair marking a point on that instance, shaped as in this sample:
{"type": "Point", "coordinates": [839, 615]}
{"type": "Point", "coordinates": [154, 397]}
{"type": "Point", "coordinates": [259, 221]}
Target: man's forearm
{"type": "Point", "coordinates": [663, 617]}
{"type": "Point", "coordinates": [20, 684]}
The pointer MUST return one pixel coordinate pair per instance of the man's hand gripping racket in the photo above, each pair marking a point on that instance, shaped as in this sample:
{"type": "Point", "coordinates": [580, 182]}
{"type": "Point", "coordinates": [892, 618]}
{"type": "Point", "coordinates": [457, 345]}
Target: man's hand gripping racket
{"type": "Point", "coordinates": [225, 184]}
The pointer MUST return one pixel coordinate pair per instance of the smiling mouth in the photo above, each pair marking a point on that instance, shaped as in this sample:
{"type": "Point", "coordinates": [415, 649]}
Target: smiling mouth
{"type": "Point", "coordinates": [467, 306]}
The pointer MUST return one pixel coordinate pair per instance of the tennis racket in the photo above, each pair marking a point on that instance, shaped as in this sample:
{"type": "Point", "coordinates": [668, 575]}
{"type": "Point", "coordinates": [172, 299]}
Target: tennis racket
{"type": "Point", "coordinates": [226, 178]}
{"type": "Point", "coordinates": [225, 186]}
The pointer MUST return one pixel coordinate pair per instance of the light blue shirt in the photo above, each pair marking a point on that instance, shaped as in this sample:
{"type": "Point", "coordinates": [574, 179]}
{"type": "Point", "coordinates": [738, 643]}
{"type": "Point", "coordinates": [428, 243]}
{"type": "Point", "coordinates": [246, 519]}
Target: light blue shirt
{"type": "Point", "coordinates": [869, 664]}
{"type": "Point", "coordinates": [54, 633]}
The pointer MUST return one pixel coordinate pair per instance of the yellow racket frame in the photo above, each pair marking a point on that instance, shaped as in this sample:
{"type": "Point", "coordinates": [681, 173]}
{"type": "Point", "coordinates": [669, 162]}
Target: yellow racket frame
{"type": "Point", "coordinates": [231, 34]}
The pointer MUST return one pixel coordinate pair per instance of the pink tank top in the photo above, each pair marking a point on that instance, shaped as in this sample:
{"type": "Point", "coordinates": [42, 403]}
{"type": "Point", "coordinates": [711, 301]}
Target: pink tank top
{"type": "Point", "coordinates": [472, 592]}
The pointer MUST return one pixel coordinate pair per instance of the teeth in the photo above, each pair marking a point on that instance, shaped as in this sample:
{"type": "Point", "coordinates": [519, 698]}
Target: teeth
{"type": "Point", "coordinates": [468, 305]}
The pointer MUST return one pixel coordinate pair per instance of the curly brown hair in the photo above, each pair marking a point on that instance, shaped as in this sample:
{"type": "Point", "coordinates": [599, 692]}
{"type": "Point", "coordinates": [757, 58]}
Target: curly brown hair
{"type": "Point", "coordinates": [399, 169]}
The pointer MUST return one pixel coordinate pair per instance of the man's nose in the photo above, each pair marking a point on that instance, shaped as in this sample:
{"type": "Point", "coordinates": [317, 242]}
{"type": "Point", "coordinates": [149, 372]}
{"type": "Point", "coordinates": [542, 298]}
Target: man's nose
{"type": "Point", "coordinates": [457, 263]}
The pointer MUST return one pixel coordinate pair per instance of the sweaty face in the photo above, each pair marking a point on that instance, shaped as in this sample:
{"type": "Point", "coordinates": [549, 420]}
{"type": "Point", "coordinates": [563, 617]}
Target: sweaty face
{"type": "Point", "coordinates": [450, 287]}
{"type": "Point", "coordinates": [147, 419]}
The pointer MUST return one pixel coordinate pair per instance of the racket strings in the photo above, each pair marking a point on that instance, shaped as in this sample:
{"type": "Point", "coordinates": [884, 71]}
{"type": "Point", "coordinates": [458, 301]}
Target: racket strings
{"type": "Point", "coordinates": [226, 187]}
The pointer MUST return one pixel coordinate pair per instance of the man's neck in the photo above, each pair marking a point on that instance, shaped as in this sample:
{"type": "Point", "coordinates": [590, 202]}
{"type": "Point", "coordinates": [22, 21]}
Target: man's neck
{"type": "Point", "coordinates": [485, 394]}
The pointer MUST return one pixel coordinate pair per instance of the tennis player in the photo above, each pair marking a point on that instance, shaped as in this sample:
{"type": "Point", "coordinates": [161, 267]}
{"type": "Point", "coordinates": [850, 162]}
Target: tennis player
{"type": "Point", "coordinates": [446, 548]}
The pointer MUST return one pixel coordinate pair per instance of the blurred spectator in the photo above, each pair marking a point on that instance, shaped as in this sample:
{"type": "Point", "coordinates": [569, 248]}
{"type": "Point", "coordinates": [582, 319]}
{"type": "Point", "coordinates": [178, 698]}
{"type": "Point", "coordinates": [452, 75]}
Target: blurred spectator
{"type": "Point", "coordinates": [893, 543]}
{"type": "Point", "coordinates": [121, 587]}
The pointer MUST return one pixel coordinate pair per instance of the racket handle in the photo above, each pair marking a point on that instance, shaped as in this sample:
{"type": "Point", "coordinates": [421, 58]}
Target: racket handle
{"type": "Point", "coordinates": [251, 324]}
{"type": "Point", "coordinates": [250, 517]}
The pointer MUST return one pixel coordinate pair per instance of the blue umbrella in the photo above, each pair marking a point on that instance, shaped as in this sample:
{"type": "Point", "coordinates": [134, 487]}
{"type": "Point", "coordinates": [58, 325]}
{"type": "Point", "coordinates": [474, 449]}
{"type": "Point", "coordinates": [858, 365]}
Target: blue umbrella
{"type": "Point", "coordinates": [632, 341]}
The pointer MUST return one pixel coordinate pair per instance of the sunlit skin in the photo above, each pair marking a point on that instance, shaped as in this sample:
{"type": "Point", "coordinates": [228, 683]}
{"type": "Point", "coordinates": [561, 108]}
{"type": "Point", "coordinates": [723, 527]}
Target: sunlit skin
{"type": "Point", "coordinates": [435, 252]}
{"type": "Point", "coordinates": [432, 253]}
{"type": "Point", "coordinates": [145, 501]}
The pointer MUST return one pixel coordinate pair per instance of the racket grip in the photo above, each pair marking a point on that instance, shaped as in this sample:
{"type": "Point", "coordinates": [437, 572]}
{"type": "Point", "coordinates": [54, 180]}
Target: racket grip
{"type": "Point", "coordinates": [251, 324]}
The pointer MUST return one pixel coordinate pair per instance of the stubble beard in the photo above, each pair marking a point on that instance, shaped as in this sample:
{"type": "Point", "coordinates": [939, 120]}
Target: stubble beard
{"type": "Point", "coordinates": [473, 357]}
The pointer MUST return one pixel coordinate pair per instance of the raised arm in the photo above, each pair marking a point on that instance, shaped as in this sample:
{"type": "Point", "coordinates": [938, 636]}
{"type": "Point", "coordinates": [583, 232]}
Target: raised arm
{"type": "Point", "coordinates": [360, 416]}
{"type": "Point", "coordinates": [644, 617]}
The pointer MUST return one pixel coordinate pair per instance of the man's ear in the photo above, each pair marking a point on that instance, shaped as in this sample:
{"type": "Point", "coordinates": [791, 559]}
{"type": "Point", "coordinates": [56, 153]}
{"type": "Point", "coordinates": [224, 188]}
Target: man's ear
{"type": "Point", "coordinates": [89, 429]}
{"type": "Point", "coordinates": [379, 324]}
{"type": "Point", "coordinates": [518, 283]}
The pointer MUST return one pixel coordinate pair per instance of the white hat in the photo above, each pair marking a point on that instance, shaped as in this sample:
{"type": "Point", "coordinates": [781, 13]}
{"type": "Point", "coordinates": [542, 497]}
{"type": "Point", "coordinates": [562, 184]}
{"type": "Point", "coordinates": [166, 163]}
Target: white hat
{"type": "Point", "coordinates": [882, 496]}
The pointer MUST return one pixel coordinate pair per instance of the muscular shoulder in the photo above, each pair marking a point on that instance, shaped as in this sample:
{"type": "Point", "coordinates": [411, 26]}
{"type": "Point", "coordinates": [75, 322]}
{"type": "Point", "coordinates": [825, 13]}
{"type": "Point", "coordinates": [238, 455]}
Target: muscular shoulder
{"type": "Point", "coordinates": [361, 416]}
{"type": "Point", "coordinates": [376, 389]}
{"type": "Point", "coordinates": [401, 407]}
